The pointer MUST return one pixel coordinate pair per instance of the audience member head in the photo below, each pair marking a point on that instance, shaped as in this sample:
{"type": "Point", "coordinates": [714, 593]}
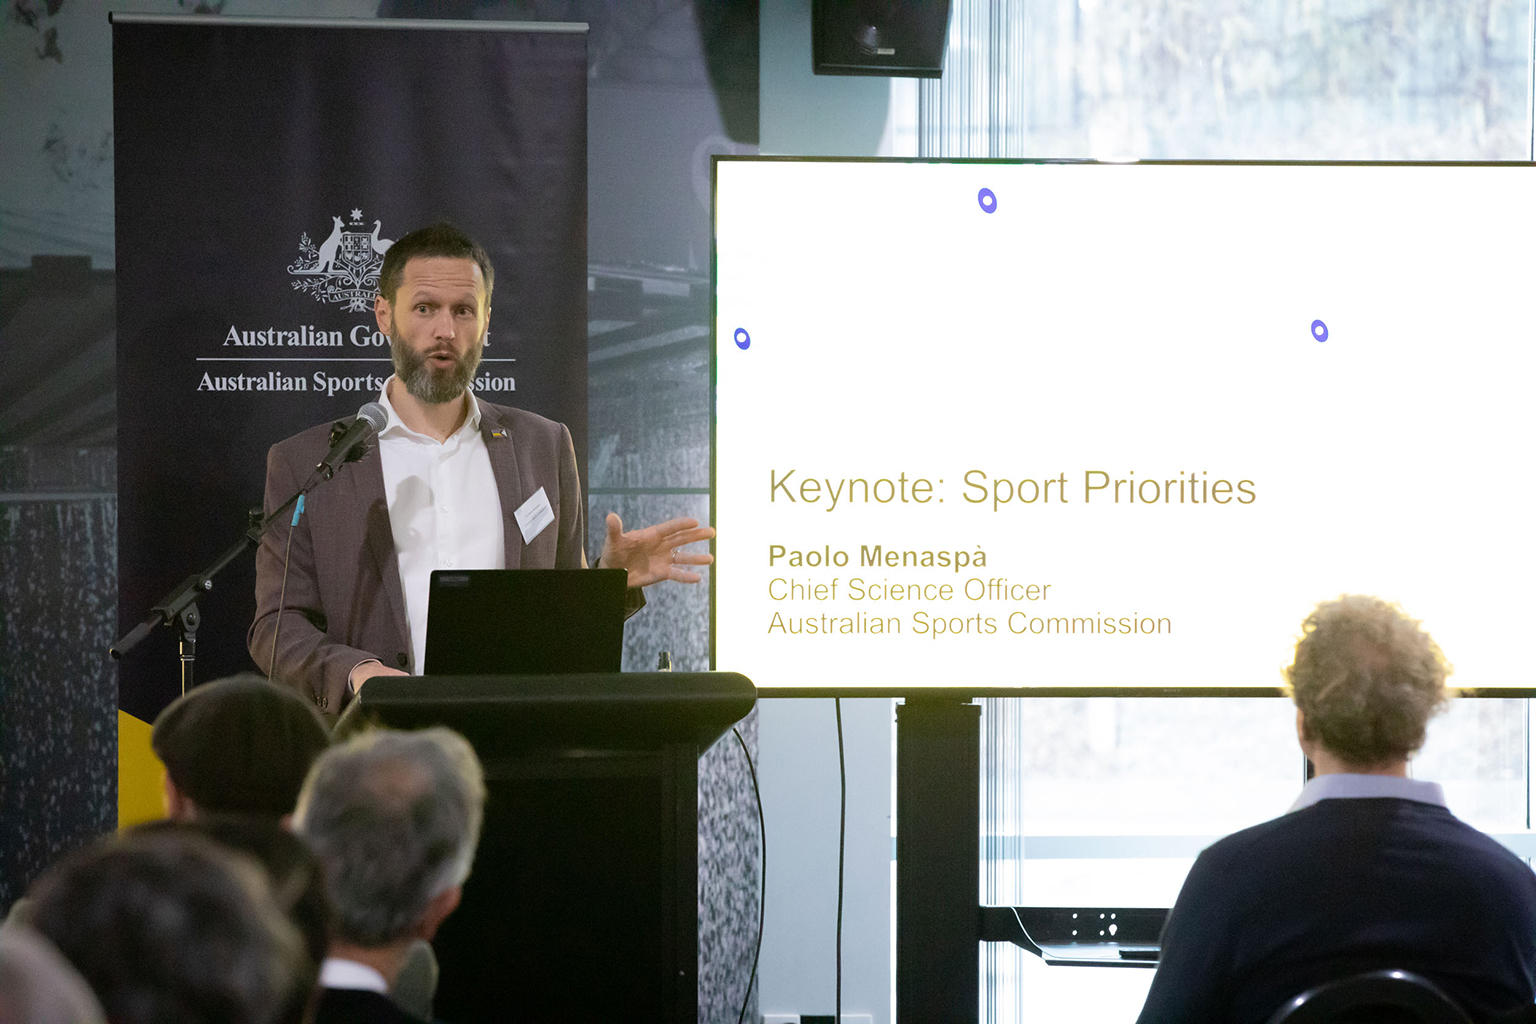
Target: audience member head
{"type": "Point", "coordinates": [1366, 680]}
{"type": "Point", "coordinates": [170, 926]}
{"type": "Point", "coordinates": [395, 818]}
{"type": "Point", "coordinates": [237, 745]}
{"type": "Point", "coordinates": [38, 986]}
{"type": "Point", "coordinates": [294, 874]}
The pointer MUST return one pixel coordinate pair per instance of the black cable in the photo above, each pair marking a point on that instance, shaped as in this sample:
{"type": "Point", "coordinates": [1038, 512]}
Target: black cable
{"type": "Point", "coordinates": [762, 896]}
{"type": "Point", "coordinates": [842, 831]}
{"type": "Point", "coordinates": [282, 594]}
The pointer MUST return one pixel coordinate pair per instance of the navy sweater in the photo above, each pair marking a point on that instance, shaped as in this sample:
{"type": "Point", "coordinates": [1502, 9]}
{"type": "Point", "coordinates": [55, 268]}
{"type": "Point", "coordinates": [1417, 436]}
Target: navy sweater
{"type": "Point", "coordinates": [1341, 887]}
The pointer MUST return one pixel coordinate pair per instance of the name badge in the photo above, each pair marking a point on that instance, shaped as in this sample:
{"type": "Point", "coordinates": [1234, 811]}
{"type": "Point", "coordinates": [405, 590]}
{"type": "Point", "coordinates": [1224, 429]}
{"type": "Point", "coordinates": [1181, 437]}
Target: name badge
{"type": "Point", "coordinates": [534, 515]}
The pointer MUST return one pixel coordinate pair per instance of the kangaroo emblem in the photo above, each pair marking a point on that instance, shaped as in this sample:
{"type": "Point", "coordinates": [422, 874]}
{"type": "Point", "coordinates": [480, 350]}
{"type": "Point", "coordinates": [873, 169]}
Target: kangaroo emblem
{"type": "Point", "coordinates": [344, 268]}
{"type": "Point", "coordinates": [327, 261]}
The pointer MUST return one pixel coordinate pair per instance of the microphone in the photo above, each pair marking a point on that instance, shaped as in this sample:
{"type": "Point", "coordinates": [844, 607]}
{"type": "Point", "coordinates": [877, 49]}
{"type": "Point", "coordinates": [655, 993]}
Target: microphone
{"type": "Point", "coordinates": [370, 419]}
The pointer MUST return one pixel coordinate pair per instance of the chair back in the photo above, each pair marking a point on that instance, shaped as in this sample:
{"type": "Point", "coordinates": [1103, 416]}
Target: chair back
{"type": "Point", "coordinates": [1379, 997]}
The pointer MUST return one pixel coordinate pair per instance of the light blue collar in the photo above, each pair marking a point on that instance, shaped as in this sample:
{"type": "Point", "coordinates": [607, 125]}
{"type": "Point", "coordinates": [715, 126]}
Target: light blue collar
{"type": "Point", "coordinates": [1348, 786]}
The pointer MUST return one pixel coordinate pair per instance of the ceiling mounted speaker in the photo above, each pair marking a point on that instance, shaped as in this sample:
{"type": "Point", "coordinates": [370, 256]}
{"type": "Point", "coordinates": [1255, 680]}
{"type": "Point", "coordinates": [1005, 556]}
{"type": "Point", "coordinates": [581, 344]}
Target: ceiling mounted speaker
{"type": "Point", "coordinates": [895, 38]}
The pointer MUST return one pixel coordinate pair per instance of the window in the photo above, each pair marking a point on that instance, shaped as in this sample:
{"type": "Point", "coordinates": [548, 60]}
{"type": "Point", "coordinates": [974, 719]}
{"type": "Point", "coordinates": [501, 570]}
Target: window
{"type": "Point", "coordinates": [1106, 801]}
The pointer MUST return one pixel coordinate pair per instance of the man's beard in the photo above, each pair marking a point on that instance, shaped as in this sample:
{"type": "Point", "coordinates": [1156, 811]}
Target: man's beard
{"type": "Point", "coordinates": [425, 383]}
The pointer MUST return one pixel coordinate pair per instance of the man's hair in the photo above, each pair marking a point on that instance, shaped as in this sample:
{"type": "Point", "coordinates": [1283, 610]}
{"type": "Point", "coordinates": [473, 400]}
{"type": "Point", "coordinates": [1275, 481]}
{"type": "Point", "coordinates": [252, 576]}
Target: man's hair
{"type": "Point", "coordinates": [294, 873]}
{"type": "Point", "coordinates": [1367, 679]}
{"type": "Point", "coordinates": [171, 927]}
{"type": "Point", "coordinates": [395, 818]}
{"type": "Point", "coordinates": [440, 239]}
{"type": "Point", "coordinates": [240, 744]}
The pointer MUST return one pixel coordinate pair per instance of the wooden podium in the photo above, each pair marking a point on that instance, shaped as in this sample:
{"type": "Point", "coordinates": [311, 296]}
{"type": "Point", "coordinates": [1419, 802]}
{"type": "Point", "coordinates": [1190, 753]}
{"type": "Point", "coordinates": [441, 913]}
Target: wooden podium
{"type": "Point", "coordinates": [583, 903]}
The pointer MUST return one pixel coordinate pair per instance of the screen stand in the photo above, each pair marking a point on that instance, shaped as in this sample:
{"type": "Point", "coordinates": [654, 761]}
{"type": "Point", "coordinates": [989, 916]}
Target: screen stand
{"type": "Point", "coordinates": [938, 859]}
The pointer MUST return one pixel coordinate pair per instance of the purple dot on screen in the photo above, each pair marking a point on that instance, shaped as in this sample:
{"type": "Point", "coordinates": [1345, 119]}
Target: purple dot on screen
{"type": "Point", "coordinates": [987, 200]}
{"type": "Point", "coordinates": [743, 339]}
{"type": "Point", "coordinates": [1319, 330]}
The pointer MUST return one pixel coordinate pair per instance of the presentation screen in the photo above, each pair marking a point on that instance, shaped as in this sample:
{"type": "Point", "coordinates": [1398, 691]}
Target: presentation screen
{"type": "Point", "coordinates": [985, 424]}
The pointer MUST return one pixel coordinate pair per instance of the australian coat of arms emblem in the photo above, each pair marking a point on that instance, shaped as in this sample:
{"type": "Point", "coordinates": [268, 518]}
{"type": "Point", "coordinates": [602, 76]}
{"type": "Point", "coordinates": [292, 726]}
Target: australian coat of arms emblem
{"type": "Point", "coordinates": [345, 267]}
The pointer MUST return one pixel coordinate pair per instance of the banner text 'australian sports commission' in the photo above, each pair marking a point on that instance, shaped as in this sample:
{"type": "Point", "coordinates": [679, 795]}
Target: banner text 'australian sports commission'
{"type": "Point", "coordinates": [327, 384]}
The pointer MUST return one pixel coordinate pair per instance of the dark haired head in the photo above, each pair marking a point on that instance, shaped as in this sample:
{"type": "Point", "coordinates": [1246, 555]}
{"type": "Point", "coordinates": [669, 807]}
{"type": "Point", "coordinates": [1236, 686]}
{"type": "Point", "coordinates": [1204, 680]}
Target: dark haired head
{"type": "Point", "coordinates": [435, 240]}
{"type": "Point", "coordinates": [240, 744]}
{"type": "Point", "coordinates": [171, 927]}
{"type": "Point", "coordinates": [294, 873]}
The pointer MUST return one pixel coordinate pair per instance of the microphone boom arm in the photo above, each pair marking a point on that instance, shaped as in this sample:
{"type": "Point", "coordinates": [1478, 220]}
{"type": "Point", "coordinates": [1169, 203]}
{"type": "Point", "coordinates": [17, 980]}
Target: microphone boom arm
{"type": "Point", "coordinates": [180, 605]}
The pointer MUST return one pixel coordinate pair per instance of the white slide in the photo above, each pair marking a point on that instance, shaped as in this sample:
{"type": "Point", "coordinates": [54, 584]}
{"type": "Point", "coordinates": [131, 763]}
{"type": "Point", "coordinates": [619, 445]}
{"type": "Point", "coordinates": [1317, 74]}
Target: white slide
{"type": "Point", "coordinates": [1011, 425]}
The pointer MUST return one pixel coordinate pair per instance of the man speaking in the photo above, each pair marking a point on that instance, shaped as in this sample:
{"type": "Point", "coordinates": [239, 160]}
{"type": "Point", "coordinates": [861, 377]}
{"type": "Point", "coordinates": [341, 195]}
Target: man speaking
{"type": "Point", "coordinates": [452, 482]}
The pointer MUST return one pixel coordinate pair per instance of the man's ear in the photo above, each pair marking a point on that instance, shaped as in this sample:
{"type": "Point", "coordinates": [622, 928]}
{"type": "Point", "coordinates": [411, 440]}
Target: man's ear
{"type": "Point", "coordinates": [178, 806]}
{"type": "Point", "coordinates": [1302, 739]}
{"type": "Point", "coordinates": [381, 313]}
{"type": "Point", "coordinates": [437, 911]}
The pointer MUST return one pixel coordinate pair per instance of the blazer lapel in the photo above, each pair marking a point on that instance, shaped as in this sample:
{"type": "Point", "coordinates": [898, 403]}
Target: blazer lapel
{"type": "Point", "coordinates": [509, 484]}
{"type": "Point", "coordinates": [367, 480]}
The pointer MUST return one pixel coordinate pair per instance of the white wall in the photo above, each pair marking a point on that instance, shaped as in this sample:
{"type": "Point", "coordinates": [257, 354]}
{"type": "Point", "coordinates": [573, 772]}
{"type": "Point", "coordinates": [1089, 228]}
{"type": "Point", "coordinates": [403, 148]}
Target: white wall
{"type": "Point", "coordinates": [805, 114]}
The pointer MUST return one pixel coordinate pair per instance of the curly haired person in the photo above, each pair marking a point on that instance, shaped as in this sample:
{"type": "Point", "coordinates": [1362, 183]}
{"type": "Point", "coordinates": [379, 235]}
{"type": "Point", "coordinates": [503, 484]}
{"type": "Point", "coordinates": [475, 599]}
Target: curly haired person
{"type": "Point", "coordinates": [1368, 870]}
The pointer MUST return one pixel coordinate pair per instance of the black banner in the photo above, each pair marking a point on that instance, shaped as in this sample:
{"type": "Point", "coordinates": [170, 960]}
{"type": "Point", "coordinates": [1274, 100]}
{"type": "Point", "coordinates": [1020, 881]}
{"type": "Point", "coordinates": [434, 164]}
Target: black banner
{"type": "Point", "coordinates": [262, 169]}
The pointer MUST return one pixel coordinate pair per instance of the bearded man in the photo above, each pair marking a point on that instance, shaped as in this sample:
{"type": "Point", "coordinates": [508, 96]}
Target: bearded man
{"type": "Point", "coordinates": [453, 482]}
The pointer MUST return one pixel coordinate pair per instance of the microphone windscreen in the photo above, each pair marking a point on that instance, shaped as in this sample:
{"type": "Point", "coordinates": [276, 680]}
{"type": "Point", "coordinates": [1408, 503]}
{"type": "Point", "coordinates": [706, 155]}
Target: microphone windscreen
{"type": "Point", "coordinates": [376, 415]}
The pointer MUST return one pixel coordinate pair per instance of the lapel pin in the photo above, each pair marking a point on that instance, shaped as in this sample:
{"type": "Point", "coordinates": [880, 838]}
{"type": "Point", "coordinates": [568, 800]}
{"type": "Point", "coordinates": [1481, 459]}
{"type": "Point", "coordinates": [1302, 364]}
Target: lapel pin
{"type": "Point", "coordinates": [498, 433]}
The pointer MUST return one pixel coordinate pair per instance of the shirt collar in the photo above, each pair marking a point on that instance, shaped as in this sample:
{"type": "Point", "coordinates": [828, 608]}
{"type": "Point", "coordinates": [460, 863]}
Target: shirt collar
{"type": "Point", "coordinates": [338, 973]}
{"type": "Point", "coordinates": [395, 426]}
{"type": "Point", "coordinates": [1349, 786]}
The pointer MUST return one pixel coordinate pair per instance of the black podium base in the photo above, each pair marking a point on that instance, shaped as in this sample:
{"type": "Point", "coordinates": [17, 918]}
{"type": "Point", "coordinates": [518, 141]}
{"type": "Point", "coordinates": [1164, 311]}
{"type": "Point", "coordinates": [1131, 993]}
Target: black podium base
{"type": "Point", "coordinates": [583, 903]}
{"type": "Point", "coordinates": [582, 906]}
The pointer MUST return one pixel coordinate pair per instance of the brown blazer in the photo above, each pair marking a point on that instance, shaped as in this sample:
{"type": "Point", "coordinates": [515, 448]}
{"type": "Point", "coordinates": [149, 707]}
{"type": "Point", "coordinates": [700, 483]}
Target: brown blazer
{"type": "Point", "coordinates": [344, 604]}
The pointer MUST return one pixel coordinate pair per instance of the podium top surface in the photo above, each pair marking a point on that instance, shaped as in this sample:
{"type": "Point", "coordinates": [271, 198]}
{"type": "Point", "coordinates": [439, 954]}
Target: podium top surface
{"type": "Point", "coordinates": [619, 710]}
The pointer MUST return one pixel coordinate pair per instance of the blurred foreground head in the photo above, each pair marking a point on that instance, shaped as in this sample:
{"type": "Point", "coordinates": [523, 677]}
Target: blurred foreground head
{"type": "Point", "coordinates": [169, 926]}
{"type": "Point", "coordinates": [239, 745]}
{"type": "Point", "coordinates": [395, 818]}
{"type": "Point", "coordinates": [38, 986]}
{"type": "Point", "coordinates": [294, 874]}
{"type": "Point", "coordinates": [1366, 679]}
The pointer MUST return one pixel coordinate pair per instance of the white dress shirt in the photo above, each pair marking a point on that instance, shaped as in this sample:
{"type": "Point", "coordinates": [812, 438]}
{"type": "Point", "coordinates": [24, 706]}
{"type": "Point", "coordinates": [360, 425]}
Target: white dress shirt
{"type": "Point", "coordinates": [444, 509]}
{"type": "Point", "coordinates": [337, 973]}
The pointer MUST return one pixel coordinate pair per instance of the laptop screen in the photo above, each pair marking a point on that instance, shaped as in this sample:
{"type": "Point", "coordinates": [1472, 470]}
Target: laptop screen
{"type": "Point", "coordinates": [524, 621]}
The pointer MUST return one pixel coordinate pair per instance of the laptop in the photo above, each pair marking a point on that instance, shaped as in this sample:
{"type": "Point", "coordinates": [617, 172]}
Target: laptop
{"type": "Point", "coordinates": [524, 621]}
